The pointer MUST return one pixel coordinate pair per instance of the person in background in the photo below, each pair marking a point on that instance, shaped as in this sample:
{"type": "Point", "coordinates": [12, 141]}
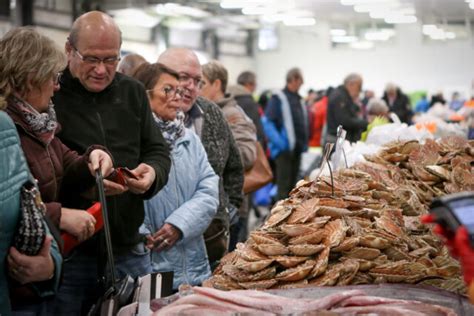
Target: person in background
{"type": "Point", "coordinates": [176, 218]}
{"type": "Point", "coordinates": [437, 98]}
{"type": "Point", "coordinates": [342, 110]}
{"type": "Point", "coordinates": [311, 98]}
{"type": "Point", "coordinates": [398, 103]}
{"type": "Point", "coordinates": [214, 87]}
{"type": "Point", "coordinates": [208, 122]}
{"type": "Point", "coordinates": [422, 105]}
{"type": "Point", "coordinates": [286, 126]}
{"type": "Point", "coordinates": [97, 105]}
{"type": "Point", "coordinates": [368, 94]}
{"type": "Point", "coordinates": [456, 102]}
{"type": "Point", "coordinates": [41, 273]}
{"type": "Point", "coordinates": [242, 92]}
{"type": "Point", "coordinates": [129, 63]}
{"type": "Point", "coordinates": [319, 114]}
{"type": "Point", "coordinates": [377, 115]}
{"type": "Point", "coordinates": [263, 101]}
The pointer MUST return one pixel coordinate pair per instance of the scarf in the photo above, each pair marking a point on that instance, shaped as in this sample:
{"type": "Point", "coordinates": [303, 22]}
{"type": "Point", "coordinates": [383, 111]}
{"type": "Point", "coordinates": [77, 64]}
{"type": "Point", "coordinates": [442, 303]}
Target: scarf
{"type": "Point", "coordinates": [42, 125]}
{"type": "Point", "coordinates": [171, 130]}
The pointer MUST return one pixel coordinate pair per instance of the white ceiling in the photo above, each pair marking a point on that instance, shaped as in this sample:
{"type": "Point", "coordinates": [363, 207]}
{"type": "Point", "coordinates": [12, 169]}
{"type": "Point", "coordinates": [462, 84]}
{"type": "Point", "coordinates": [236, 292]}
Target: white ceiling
{"type": "Point", "coordinates": [333, 10]}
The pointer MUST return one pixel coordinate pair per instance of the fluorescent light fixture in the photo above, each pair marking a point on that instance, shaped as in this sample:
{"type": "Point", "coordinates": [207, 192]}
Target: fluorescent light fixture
{"type": "Point", "coordinates": [450, 35]}
{"type": "Point", "coordinates": [400, 19]}
{"type": "Point", "coordinates": [471, 5]}
{"type": "Point", "coordinates": [362, 45]}
{"type": "Point", "coordinates": [382, 35]}
{"type": "Point", "coordinates": [239, 4]}
{"type": "Point", "coordinates": [258, 10]}
{"type": "Point", "coordinates": [299, 21]}
{"type": "Point", "coordinates": [338, 32]}
{"type": "Point", "coordinates": [344, 39]}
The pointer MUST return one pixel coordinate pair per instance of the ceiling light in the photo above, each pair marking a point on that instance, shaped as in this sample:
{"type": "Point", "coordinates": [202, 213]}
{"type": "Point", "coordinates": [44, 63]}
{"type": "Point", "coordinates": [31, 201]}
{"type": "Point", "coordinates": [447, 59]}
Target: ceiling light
{"type": "Point", "coordinates": [258, 10]}
{"type": "Point", "coordinates": [239, 4]}
{"type": "Point", "coordinates": [299, 21]}
{"type": "Point", "coordinates": [382, 35]}
{"type": "Point", "coordinates": [450, 35]}
{"type": "Point", "coordinates": [344, 39]}
{"type": "Point", "coordinates": [400, 19]}
{"type": "Point", "coordinates": [338, 32]}
{"type": "Point", "coordinates": [362, 45]}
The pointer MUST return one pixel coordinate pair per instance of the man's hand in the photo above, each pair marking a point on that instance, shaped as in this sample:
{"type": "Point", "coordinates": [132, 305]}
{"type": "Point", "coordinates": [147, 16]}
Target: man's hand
{"type": "Point", "coordinates": [146, 176]}
{"type": "Point", "coordinates": [100, 159]}
{"type": "Point", "coordinates": [26, 269]}
{"type": "Point", "coordinates": [165, 238]}
{"type": "Point", "coordinates": [113, 188]}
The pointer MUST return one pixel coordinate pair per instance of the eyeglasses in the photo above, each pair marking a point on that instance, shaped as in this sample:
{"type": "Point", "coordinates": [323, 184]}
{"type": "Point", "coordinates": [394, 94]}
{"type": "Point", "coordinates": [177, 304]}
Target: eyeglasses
{"type": "Point", "coordinates": [185, 78]}
{"type": "Point", "coordinates": [57, 78]}
{"type": "Point", "coordinates": [169, 92]}
{"type": "Point", "coordinates": [92, 60]}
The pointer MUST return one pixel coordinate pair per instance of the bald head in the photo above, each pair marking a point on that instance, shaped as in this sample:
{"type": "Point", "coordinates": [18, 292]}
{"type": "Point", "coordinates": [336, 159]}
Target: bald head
{"type": "Point", "coordinates": [93, 23]}
{"type": "Point", "coordinates": [130, 63]}
{"type": "Point", "coordinates": [186, 63]}
{"type": "Point", "coordinates": [93, 50]}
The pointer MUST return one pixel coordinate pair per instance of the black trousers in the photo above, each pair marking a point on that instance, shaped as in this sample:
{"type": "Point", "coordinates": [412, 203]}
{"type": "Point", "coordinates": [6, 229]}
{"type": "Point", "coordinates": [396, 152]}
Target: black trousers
{"type": "Point", "coordinates": [287, 168]}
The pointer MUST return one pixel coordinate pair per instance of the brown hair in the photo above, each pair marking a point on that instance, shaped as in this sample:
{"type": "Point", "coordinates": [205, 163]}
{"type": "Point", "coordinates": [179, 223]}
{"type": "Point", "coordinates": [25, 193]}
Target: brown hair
{"type": "Point", "coordinates": [214, 70]}
{"type": "Point", "coordinates": [149, 74]}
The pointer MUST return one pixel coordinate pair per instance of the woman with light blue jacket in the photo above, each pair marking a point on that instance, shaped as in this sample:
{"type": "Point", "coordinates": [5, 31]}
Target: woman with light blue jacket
{"type": "Point", "coordinates": [176, 218]}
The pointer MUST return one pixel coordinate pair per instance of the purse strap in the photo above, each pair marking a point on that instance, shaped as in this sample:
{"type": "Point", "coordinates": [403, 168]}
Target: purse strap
{"type": "Point", "coordinates": [108, 240]}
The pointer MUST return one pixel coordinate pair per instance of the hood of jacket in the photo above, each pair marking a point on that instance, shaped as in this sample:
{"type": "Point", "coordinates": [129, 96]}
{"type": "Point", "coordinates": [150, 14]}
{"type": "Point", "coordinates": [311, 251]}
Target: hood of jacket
{"type": "Point", "coordinates": [238, 90]}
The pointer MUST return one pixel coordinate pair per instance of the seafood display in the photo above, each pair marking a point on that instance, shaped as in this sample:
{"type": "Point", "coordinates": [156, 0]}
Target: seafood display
{"type": "Point", "coordinates": [207, 301]}
{"type": "Point", "coordinates": [359, 225]}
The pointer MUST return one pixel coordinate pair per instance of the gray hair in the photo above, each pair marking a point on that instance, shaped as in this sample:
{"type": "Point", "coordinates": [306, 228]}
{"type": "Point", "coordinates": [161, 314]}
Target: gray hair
{"type": "Point", "coordinates": [377, 107]}
{"type": "Point", "coordinates": [246, 77]}
{"type": "Point", "coordinates": [351, 78]}
{"type": "Point", "coordinates": [391, 87]}
{"type": "Point", "coordinates": [293, 74]}
{"type": "Point", "coordinates": [130, 63]}
{"type": "Point", "coordinates": [27, 58]}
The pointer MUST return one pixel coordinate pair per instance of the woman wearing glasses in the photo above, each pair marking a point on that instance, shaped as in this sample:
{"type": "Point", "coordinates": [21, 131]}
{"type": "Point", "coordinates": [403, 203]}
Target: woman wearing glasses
{"type": "Point", "coordinates": [29, 67]}
{"type": "Point", "coordinates": [176, 218]}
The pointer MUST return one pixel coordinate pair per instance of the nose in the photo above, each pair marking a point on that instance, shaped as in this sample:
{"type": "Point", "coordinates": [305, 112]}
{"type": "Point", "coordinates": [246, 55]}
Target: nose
{"type": "Point", "coordinates": [100, 68]}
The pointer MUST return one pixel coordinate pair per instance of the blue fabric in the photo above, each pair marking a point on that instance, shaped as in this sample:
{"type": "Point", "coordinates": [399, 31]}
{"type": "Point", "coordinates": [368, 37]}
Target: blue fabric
{"type": "Point", "coordinates": [13, 174]}
{"type": "Point", "coordinates": [277, 139]}
{"type": "Point", "coordinates": [189, 201]}
{"type": "Point", "coordinates": [422, 106]}
{"type": "Point", "coordinates": [135, 264]}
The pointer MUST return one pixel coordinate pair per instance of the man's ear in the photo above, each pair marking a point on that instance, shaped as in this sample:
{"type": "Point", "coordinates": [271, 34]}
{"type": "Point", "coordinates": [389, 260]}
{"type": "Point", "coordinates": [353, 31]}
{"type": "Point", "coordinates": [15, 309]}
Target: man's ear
{"type": "Point", "coordinates": [67, 47]}
{"type": "Point", "coordinates": [217, 84]}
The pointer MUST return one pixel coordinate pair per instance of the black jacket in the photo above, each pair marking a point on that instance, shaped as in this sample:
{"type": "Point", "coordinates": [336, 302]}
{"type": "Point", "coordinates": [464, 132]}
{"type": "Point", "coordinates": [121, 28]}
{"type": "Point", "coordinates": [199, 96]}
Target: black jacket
{"type": "Point", "coordinates": [343, 111]}
{"type": "Point", "coordinates": [120, 119]}
{"type": "Point", "coordinates": [401, 106]}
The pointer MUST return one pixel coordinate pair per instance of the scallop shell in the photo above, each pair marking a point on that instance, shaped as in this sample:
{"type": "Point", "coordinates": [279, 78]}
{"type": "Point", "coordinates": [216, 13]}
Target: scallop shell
{"type": "Point", "coordinates": [273, 249]}
{"type": "Point", "coordinates": [305, 249]}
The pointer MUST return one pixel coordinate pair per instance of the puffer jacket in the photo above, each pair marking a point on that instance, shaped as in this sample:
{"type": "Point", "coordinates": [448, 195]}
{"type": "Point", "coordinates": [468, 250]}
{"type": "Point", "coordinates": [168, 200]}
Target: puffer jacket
{"type": "Point", "coordinates": [13, 174]}
{"type": "Point", "coordinates": [56, 168]}
{"type": "Point", "coordinates": [189, 202]}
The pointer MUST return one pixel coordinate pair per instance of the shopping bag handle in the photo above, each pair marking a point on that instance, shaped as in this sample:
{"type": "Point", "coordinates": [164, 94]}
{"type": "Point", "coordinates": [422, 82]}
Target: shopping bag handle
{"type": "Point", "coordinates": [108, 240]}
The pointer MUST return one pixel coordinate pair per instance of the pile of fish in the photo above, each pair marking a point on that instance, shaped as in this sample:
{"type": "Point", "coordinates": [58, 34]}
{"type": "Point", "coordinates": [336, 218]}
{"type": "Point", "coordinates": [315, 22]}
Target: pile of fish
{"type": "Point", "coordinates": [207, 301]}
{"type": "Point", "coordinates": [359, 226]}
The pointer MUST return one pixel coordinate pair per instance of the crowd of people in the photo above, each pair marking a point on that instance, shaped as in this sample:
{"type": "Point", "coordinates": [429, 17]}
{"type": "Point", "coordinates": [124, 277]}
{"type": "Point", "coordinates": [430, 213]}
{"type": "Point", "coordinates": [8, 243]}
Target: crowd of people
{"type": "Point", "coordinates": [185, 134]}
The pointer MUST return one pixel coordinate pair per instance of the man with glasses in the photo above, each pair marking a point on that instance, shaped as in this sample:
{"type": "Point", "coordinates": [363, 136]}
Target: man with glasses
{"type": "Point", "coordinates": [96, 105]}
{"type": "Point", "coordinates": [207, 120]}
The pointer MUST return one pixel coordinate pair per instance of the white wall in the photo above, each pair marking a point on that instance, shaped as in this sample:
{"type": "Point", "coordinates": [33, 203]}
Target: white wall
{"type": "Point", "coordinates": [408, 61]}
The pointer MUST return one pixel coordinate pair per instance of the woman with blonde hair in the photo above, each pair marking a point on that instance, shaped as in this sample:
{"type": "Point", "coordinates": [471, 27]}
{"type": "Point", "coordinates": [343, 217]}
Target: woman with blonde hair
{"type": "Point", "coordinates": [30, 65]}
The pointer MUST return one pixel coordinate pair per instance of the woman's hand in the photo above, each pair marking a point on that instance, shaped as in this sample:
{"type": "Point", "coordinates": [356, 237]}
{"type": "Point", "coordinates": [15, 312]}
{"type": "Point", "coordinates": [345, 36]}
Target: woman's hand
{"type": "Point", "coordinates": [100, 159]}
{"type": "Point", "coordinates": [113, 188]}
{"type": "Point", "coordinates": [27, 269]}
{"type": "Point", "coordinates": [166, 237]}
{"type": "Point", "coordinates": [78, 223]}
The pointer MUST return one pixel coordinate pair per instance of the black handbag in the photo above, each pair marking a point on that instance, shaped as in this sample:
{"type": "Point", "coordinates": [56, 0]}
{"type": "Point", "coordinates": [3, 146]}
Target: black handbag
{"type": "Point", "coordinates": [119, 292]}
{"type": "Point", "coordinates": [31, 231]}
